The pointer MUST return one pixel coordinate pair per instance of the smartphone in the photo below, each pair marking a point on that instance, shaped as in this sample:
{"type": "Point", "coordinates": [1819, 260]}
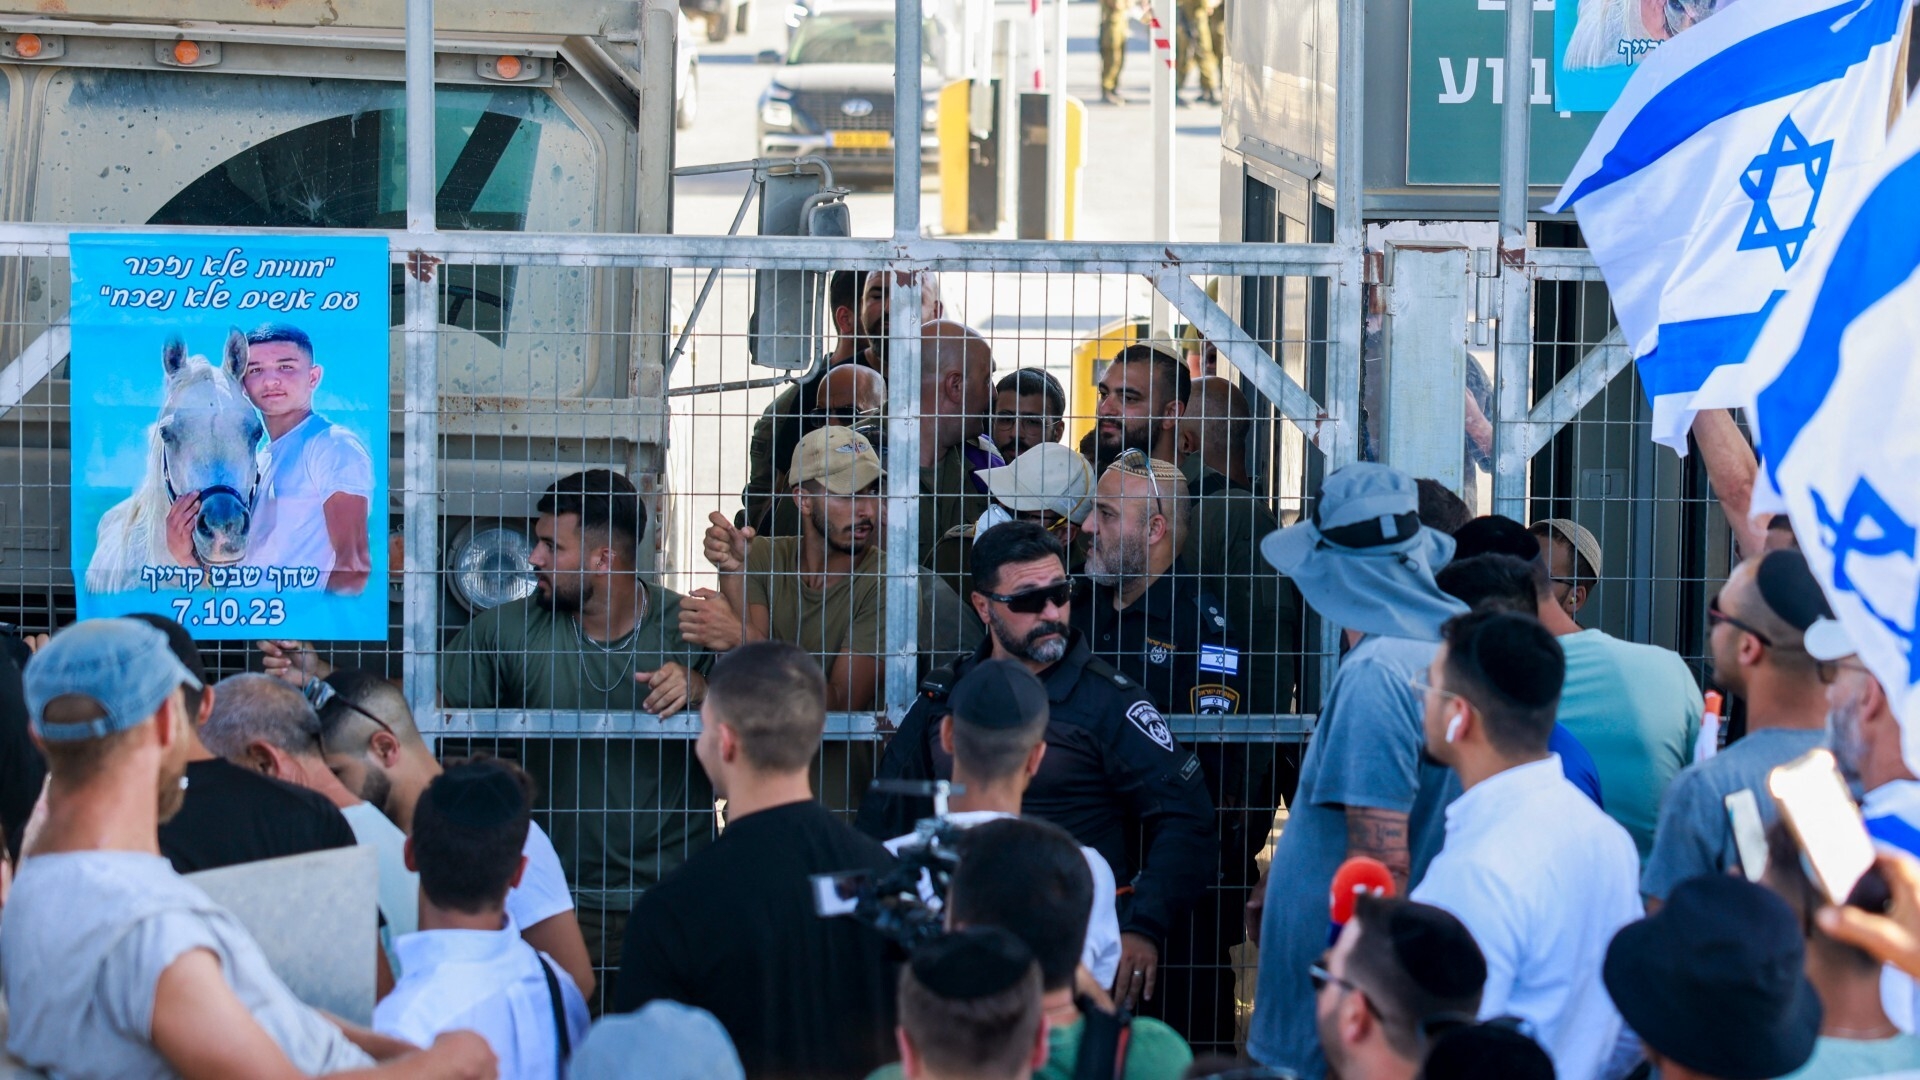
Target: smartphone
{"type": "Point", "coordinates": [1816, 805]}
{"type": "Point", "coordinates": [838, 894]}
{"type": "Point", "coordinates": [1749, 833]}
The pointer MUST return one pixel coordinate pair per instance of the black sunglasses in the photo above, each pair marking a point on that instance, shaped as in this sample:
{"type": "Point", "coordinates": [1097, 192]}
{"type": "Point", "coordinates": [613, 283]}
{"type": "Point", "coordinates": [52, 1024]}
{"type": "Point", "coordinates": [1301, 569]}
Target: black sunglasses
{"type": "Point", "coordinates": [1035, 601]}
{"type": "Point", "coordinates": [1715, 613]}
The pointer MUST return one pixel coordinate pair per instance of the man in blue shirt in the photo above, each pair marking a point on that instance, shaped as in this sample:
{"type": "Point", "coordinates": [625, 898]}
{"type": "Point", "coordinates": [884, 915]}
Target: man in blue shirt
{"type": "Point", "coordinates": [1365, 563]}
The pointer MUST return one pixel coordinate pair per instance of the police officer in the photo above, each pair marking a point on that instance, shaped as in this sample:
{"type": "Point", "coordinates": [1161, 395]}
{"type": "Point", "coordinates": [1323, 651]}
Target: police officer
{"type": "Point", "coordinates": [1113, 775]}
{"type": "Point", "coordinates": [1148, 617]}
{"type": "Point", "coordinates": [1157, 624]}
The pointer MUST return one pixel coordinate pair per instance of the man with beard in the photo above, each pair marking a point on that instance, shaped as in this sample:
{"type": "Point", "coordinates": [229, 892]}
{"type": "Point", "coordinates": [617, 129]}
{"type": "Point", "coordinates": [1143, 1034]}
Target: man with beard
{"type": "Point", "coordinates": [1864, 736]}
{"type": "Point", "coordinates": [1143, 394]}
{"type": "Point", "coordinates": [116, 965]}
{"type": "Point", "coordinates": [1153, 621]}
{"type": "Point", "coordinates": [595, 636]}
{"type": "Point", "coordinates": [1112, 775]}
{"type": "Point", "coordinates": [876, 311]}
{"type": "Point", "coordinates": [1756, 631]}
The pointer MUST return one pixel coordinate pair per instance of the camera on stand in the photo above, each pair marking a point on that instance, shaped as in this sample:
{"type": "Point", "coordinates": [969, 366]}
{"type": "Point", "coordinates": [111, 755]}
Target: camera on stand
{"type": "Point", "coordinates": [902, 903]}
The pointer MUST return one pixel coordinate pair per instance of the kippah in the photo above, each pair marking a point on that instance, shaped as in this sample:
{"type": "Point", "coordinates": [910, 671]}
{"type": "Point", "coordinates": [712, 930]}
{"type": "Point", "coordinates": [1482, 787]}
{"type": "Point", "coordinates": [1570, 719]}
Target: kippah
{"type": "Point", "coordinates": [973, 963]}
{"type": "Point", "coordinates": [1788, 588]}
{"type": "Point", "coordinates": [1156, 470]}
{"type": "Point", "coordinates": [1492, 1049]}
{"type": "Point", "coordinates": [479, 795]}
{"type": "Point", "coordinates": [1495, 535]}
{"type": "Point", "coordinates": [998, 695]}
{"type": "Point", "coordinates": [1436, 951]}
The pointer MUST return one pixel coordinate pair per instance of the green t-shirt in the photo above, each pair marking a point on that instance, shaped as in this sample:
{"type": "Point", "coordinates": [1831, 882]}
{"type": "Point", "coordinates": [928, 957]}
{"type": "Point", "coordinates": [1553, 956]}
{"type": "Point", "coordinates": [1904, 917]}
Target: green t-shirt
{"type": "Point", "coordinates": [1848, 1059]}
{"type": "Point", "coordinates": [1154, 1052]}
{"type": "Point", "coordinates": [1636, 708]}
{"type": "Point", "coordinates": [622, 812]}
{"type": "Point", "coordinates": [948, 497]}
{"type": "Point", "coordinates": [849, 615]}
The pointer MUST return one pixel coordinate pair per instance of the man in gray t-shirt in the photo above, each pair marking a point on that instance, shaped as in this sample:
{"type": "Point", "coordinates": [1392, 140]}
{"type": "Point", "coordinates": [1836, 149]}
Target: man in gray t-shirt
{"type": "Point", "coordinates": [115, 966]}
{"type": "Point", "coordinates": [1365, 563]}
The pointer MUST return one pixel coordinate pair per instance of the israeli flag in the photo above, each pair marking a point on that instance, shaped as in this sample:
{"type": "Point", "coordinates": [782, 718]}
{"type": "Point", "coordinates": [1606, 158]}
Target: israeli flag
{"type": "Point", "coordinates": [1725, 156]}
{"type": "Point", "coordinates": [1837, 418]}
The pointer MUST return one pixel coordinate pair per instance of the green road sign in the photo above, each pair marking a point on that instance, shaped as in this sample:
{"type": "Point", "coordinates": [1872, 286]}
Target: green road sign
{"type": "Point", "coordinates": [1455, 84]}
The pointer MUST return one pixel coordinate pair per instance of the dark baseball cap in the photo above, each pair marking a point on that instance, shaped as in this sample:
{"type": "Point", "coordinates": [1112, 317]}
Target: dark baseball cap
{"type": "Point", "coordinates": [998, 694]}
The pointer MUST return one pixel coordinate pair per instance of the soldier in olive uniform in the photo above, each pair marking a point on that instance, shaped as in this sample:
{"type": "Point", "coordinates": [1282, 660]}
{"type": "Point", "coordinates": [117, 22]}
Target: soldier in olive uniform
{"type": "Point", "coordinates": [1196, 44]}
{"type": "Point", "coordinates": [1113, 48]}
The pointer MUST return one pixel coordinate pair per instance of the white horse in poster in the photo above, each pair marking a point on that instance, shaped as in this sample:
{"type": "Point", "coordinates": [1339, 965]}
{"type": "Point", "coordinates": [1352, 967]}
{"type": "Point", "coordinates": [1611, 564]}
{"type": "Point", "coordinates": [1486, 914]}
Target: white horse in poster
{"type": "Point", "coordinates": [209, 443]}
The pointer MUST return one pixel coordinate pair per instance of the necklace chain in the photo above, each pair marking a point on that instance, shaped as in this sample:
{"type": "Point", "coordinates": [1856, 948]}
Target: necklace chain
{"type": "Point", "coordinates": [622, 644]}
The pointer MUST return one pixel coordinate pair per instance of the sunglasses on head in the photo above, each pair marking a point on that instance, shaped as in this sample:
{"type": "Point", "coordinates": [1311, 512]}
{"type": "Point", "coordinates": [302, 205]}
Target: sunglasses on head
{"type": "Point", "coordinates": [1035, 601]}
{"type": "Point", "coordinates": [1718, 614]}
{"type": "Point", "coordinates": [341, 701]}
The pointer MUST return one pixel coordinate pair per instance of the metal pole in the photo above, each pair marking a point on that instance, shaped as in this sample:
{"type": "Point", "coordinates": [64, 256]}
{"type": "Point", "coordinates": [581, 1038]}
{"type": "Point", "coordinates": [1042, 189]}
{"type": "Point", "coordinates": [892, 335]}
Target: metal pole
{"type": "Point", "coordinates": [421, 509]}
{"type": "Point", "coordinates": [903, 498]}
{"type": "Point", "coordinates": [1346, 305]}
{"type": "Point", "coordinates": [1057, 128]}
{"type": "Point", "coordinates": [1161, 68]}
{"type": "Point", "coordinates": [907, 109]}
{"type": "Point", "coordinates": [1516, 287]}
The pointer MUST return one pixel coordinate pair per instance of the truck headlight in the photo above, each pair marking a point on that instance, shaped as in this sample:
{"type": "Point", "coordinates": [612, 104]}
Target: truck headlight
{"type": "Point", "coordinates": [490, 566]}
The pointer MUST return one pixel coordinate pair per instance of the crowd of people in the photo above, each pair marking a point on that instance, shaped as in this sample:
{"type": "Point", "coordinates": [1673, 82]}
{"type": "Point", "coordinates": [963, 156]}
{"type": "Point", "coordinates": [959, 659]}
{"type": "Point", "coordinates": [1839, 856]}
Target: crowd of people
{"type": "Point", "coordinates": [1565, 886]}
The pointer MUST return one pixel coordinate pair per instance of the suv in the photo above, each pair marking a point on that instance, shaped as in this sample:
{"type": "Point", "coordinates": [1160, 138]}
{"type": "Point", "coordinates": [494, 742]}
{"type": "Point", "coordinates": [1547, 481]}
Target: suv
{"type": "Point", "coordinates": [833, 95]}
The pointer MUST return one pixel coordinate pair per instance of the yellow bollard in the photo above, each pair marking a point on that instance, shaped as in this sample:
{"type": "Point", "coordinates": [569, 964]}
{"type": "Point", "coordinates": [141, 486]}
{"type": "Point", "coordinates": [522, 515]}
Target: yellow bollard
{"type": "Point", "coordinates": [955, 140]}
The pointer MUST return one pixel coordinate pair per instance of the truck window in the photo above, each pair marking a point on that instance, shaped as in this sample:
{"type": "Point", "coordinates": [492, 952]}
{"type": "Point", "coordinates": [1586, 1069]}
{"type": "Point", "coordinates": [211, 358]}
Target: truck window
{"type": "Point", "coordinates": [190, 148]}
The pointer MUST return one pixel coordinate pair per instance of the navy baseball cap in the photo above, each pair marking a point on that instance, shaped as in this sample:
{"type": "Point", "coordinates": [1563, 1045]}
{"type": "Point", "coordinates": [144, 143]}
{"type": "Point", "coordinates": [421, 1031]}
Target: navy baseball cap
{"type": "Point", "coordinates": [123, 665]}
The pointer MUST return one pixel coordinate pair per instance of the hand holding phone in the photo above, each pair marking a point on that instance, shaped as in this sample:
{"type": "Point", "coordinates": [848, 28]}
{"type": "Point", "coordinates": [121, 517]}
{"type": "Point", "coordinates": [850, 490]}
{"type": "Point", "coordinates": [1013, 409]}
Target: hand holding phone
{"type": "Point", "coordinates": [1818, 808]}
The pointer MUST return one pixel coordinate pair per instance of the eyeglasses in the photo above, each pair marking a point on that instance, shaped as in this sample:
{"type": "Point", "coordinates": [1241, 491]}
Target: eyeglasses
{"type": "Point", "coordinates": [1829, 670]}
{"type": "Point", "coordinates": [1035, 601]}
{"type": "Point", "coordinates": [1319, 976]}
{"type": "Point", "coordinates": [1132, 454]}
{"type": "Point", "coordinates": [1423, 685]}
{"type": "Point", "coordinates": [1717, 614]}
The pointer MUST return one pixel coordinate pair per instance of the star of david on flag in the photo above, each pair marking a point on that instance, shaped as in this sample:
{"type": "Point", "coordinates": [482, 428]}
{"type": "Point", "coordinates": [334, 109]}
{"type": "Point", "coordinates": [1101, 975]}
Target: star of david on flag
{"type": "Point", "coordinates": [1790, 150]}
{"type": "Point", "coordinates": [1837, 418]}
{"type": "Point", "coordinates": [1706, 182]}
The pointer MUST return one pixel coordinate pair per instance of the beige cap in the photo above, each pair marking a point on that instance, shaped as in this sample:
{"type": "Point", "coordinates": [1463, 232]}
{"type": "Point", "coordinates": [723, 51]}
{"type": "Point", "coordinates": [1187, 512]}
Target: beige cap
{"type": "Point", "coordinates": [838, 458]}
{"type": "Point", "coordinates": [1049, 476]}
{"type": "Point", "coordinates": [1577, 535]}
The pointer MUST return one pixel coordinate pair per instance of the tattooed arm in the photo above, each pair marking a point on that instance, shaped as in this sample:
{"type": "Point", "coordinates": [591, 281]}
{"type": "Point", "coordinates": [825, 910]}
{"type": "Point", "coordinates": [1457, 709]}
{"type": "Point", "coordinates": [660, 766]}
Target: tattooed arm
{"type": "Point", "coordinates": [1382, 835]}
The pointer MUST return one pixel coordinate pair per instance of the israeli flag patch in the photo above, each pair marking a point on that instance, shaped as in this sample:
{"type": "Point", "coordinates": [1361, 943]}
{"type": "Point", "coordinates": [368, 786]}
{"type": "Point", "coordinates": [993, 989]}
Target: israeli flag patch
{"type": "Point", "coordinates": [1220, 658]}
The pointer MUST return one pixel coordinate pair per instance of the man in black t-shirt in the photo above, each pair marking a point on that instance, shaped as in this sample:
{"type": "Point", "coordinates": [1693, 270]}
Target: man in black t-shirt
{"type": "Point", "coordinates": [734, 930]}
{"type": "Point", "coordinates": [233, 815]}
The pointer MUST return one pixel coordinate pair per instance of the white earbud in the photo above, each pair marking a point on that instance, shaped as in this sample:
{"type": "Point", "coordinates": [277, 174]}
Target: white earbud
{"type": "Point", "coordinates": [1453, 728]}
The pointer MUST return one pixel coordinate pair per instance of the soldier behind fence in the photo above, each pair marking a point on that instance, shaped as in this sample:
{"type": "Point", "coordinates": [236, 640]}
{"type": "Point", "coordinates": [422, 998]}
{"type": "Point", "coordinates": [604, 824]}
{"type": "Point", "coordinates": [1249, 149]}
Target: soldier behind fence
{"type": "Point", "coordinates": [876, 310]}
{"type": "Point", "coordinates": [1222, 545]}
{"type": "Point", "coordinates": [792, 414]}
{"type": "Point", "coordinates": [1143, 393]}
{"type": "Point", "coordinates": [956, 372]}
{"type": "Point", "coordinates": [597, 635]}
{"type": "Point", "coordinates": [1049, 485]}
{"type": "Point", "coordinates": [1029, 408]}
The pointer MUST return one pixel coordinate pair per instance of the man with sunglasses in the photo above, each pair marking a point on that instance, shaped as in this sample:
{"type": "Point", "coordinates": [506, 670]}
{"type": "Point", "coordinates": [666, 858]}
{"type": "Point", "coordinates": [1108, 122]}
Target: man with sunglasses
{"type": "Point", "coordinates": [1756, 628]}
{"type": "Point", "coordinates": [1398, 971]}
{"type": "Point", "coordinates": [1113, 775]}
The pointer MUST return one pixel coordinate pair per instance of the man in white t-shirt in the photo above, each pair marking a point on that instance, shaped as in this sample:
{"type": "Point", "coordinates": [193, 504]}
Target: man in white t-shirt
{"type": "Point", "coordinates": [370, 742]}
{"type": "Point", "coordinates": [996, 734]}
{"type": "Point", "coordinates": [314, 510]}
{"type": "Point", "coordinates": [115, 965]}
{"type": "Point", "coordinates": [1541, 876]}
{"type": "Point", "coordinates": [468, 967]}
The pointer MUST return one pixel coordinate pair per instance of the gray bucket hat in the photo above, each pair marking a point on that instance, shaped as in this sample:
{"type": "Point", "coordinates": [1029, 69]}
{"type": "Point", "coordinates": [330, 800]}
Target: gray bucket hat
{"type": "Point", "coordinates": [1363, 560]}
{"type": "Point", "coordinates": [665, 1040]}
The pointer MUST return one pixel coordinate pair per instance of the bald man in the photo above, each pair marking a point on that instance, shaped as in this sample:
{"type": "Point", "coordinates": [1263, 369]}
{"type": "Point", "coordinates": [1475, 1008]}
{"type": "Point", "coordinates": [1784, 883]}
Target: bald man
{"type": "Point", "coordinates": [956, 398]}
{"type": "Point", "coordinates": [850, 395]}
{"type": "Point", "coordinates": [1223, 541]}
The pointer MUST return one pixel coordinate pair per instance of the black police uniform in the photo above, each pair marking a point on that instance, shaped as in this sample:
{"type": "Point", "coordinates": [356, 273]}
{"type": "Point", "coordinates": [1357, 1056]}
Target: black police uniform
{"type": "Point", "coordinates": [1174, 640]}
{"type": "Point", "coordinates": [1113, 776]}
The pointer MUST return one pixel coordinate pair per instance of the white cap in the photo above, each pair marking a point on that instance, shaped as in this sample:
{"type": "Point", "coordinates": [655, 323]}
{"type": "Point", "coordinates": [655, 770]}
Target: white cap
{"type": "Point", "coordinates": [1827, 640]}
{"type": "Point", "coordinates": [1049, 476]}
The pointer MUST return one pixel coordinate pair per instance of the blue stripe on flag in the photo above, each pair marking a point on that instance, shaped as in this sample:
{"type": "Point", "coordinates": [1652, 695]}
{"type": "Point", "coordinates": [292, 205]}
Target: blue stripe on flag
{"type": "Point", "coordinates": [1690, 351]}
{"type": "Point", "coordinates": [1895, 832]}
{"type": "Point", "coordinates": [1880, 250]}
{"type": "Point", "coordinates": [1788, 59]}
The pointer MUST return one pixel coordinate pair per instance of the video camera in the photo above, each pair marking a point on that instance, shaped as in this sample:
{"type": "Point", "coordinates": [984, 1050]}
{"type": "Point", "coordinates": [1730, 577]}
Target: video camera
{"type": "Point", "coordinates": [903, 903]}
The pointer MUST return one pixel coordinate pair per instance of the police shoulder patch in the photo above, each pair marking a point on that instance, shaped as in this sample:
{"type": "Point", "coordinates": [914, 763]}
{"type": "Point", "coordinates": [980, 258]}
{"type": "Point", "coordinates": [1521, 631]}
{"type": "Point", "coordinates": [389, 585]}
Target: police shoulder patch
{"type": "Point", "coordinates": [1214, 699]}
{"type": "Point", "coordinates": [1151, 724]}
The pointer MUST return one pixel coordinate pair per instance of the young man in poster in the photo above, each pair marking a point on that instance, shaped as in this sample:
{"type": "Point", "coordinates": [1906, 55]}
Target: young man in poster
{"type": "Point", "coordinates": [313, 512]}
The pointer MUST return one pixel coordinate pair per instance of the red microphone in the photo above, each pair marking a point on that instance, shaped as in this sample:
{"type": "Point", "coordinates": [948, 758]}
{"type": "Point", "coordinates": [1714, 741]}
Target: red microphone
{"type": "Point", "coordinates": [1357, 876]}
